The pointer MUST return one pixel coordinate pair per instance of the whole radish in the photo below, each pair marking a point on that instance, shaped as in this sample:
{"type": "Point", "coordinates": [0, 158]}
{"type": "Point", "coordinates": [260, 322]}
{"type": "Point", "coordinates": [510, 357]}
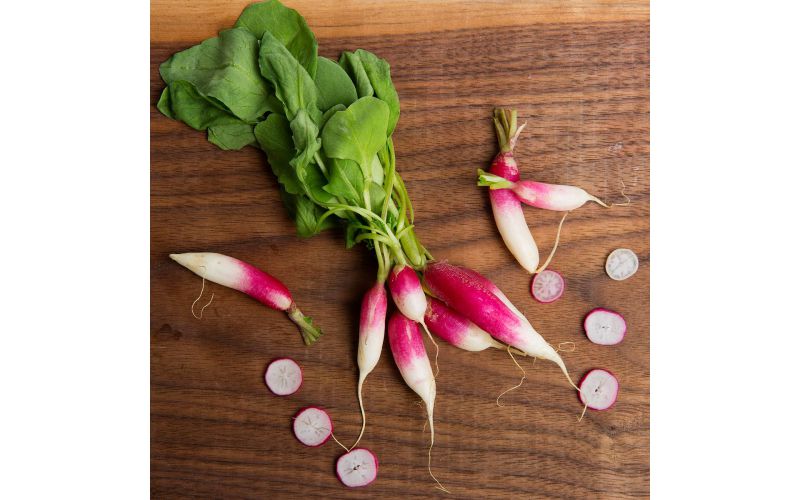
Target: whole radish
{"type": "Point", "coordinates": [409, 355]}
{"type": "Point", "coordinates": [457, 330]}
{"type": "Point", "coordinates": [370, 340]}
{"type": "Point", "coordinates": [410, 299]}
{"type": "Point", "coordinates": [460, 289]}
{"type": "Point", "coordinates": [539, 194]}
{"type": "Point", "coordinates": [234, 273]}
{"type": "Point", "coordinates": [506, 206]}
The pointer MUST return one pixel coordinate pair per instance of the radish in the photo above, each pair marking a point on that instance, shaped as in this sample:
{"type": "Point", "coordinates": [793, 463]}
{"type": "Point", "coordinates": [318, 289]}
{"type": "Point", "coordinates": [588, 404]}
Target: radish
{"type": "Point", "coordinates": [312, 426]}
{"type": "Point", "coordinates": [547, 286]}
{"type": "Point", "coordinates": [456, 329]}
{"type": "Point", "coordinates": [370, 340]}
{"type": "Point", "coordinates": [358, 467]}
{"type": "Point", "coordinates": [605, 327]}
{"type": "Point", "coordinates": [621, 264]}
{"type": "Point", "coordinates": [506, 206]}
{"type": "Point", "coordinates": [599, 389]}
{"type": "Point", "coordinates": [409, 297]}
{"type": "Point", "coordinates": [409, 355]}
{"type": "Point", "coordinates": [283, 377]}
{"type": "Point", "coordinates": [470, 297]}
{"type": "Point", "coordinates": [233, 273]}
{"type": "Point", "coordinates": [539, 194]}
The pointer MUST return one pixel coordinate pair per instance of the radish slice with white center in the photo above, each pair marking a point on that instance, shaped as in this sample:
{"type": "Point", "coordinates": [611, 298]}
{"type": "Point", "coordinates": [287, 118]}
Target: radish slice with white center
{"type": "Point", "coordinates": [358, 467]}
{"type": "Point", "coordinates": [599, 389]}
{"type": "Point", "coordinates": [622, 264]}
{"type": "Point", "coordinates": [283, 377]}
{"type": "Point", "coordinates": [547, 286]}
{"type": "Point", "coordinates": [312, 426]}
{"type": "Point", "coordinates": [605, 327]}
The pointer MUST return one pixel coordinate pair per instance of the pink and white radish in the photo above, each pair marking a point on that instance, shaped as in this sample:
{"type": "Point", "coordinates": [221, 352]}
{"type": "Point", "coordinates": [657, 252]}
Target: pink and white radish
{"type": "Point", "coordinates": [506, 206]}
{"type": "Point", "coordinates": [234, 273]}
{"type": "Point", "coordinates": [312, 426]}
{"type": "Point", "coordinates": [540, 194]}
{"type": "Point", "coordinates": [457, 330]}
{"type": "Point", "coordinates": [547, 286]}
{"type": "Point", "coordinates": [411, 359]}
{"type": "Point", "coordinates": [356, 468]}
{"type": "Point", "coordinates": [370, 340]}
{"type": "Point", "coordinates": [460, 290]}
{"type": "Point", "coordinates": [605, 327]}
{"type": "Point", "coordinates": [599, 389]}
{"type": "Point", "coordinates": [410, 299]}
{"type": "Point", "coordinates": [283, 377]}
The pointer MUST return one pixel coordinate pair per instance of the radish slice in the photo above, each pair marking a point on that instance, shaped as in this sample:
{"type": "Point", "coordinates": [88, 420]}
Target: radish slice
{"type": "Point", "coordinates": [312, 426]}
{"type": "Point", "coordinates": [622, 264]}
{"type": "Point", "coordinates": [357, 468]}
{"type": "Point", "coordinates": [605, 327]}
{"type": "Point", "coordinates": [283, 377]}
{"type": "Point", "coordinates": [547, 286]}
{"type": "Point", "coordinates": [599, 389]}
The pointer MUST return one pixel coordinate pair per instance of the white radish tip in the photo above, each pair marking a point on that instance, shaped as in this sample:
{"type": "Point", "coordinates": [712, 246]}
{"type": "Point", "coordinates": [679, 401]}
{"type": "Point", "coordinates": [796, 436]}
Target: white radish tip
{"type": "Point", "coordinates": [312, 426]}
{"type": "Point", "coordinates": [599, 389]}
{"type": "Point", "coordinates": [356, 468]}
{"type": "Point", "coordinates": [605, 327]}
{"type": "Point", "coordinates": [283, 377]}
{"type": "Point", "coordinates": [547, 286]}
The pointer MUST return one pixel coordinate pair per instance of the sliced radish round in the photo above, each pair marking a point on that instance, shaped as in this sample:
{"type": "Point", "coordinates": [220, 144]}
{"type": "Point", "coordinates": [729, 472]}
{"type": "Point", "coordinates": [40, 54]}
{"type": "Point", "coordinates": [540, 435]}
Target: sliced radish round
{"type": "Point", "coordinates": [622, 264]}
{"type": "Point", "coordinates": [547, 286]}
{"type": "Point", "coordinates": [358, 467]}
{"type": "Point", "coordinates": [312, 426]}
{"type": "Point", "coordinates": [283, 377]}
{"type": "Point", "coordinates": [605, 327]}
{"type": "Point", "coordinates": [599, 389]}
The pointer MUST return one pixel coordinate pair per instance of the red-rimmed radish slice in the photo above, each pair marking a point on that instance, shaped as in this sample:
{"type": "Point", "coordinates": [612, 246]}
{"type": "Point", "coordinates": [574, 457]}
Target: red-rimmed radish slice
{"type": "Point", "coordinates": [283, 377]}
{"type": "Point", "coordinates": [605, 327]}
{"type": "Point", "coordinates": [599, 389]}
{"type": "Point", "coordinates": [358, 467]}
{"type": "Point", "coordinates": [621, 264]}
{"type": "Point", "coordinates": [312, 426]}
{"type": "Point", "coordinates": [547, 286]}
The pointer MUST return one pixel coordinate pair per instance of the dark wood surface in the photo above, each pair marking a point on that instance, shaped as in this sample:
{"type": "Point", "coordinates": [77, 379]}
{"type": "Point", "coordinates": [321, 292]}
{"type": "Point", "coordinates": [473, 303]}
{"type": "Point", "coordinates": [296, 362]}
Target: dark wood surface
{"type": "Point", "coordinates": [579, 74]}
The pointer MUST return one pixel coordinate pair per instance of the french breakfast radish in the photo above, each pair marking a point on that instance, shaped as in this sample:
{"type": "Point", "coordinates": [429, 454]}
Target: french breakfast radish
{"type": "Point", "coordinates": [370, 340]}
{"type": "Point", "coordinates": [605, 327]}
{"type": "Point", "coordinates": [599, 389]}
{"type": "Point", "coordinates": [506, 207]}
{"type": "Point", "coordinates": [356, 468]}
{"type": "Point", "coordinates": [540, 194]}
{"type": "Point", "coordinates": [234, 273]}
{"type": "Point", "coordinates": [312, 426]}
{"type": "Point", "coordinates": [283, 377]}
{"type": "Point", "coordinates": [409, 297]}
{"type": "Point", "coordinates": [411, 359]}
{"type": "Point", "coordinates": [460, 290]}
{"type": "Point", "coordinates": [457, 330]}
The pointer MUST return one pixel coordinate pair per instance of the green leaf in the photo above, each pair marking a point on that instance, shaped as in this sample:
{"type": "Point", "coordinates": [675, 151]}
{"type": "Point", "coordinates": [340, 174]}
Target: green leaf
{"type": "Point", "coordinates": [165, 104]}
{"type": "Point", "coordinates": [307, 216]}
{"type": "Point", "coordinates": [286, 25]}
{"type": "Point", "coordinates": [376, 197]}
{"type": "Point", "coordinates": [181, 101]}
{"type": "Point", "coordinates": [346, 181]}
{"type": "Point", "coordinates": [225, 69]}
{"type": "Point", "coordinates": [274, 136]}
{"type": "Point", "coordinates": [350, 236]}
{"type": "Point", "coordinates": [355, 70]}
{"type": "Point", "coordinates": [377, 170]}
{"type": "Point", "coordinates": [307, 144]}
{"type": "Point", "coordinates": [232, 135]}
{"type": "Point", "coordinates": [293, 85]}
{"type": "Point", "coordinates": [380, 78]}
{"type": "Point", "coordinates": [357, 133]}
{"type": "Point", "coordinates": [333, 85]}
{"type": "Point", "coordinates": [327, 115]}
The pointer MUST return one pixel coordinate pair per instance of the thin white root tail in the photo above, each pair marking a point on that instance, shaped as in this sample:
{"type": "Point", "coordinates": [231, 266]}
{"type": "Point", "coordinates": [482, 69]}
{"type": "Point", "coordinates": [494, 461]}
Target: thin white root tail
{"type": "Point", "coordinates": [340, 444]}
{"type": "Point", "coordinates": [202, 289]}
{"type": "Point", "coordinates": [430, 449]}
{"type": "Point", "coordinates": [570, 347]}
{"type": "Point", "coordinates": [363, 415]}
{"type": "Point", "coordinates": [520, 380]}
{"type": "Point", "coordinates": [583, 413]}
{"type": "Point", "coordinates": [436, 358]}
{"type": "Point", "coordinates": [555, 245]}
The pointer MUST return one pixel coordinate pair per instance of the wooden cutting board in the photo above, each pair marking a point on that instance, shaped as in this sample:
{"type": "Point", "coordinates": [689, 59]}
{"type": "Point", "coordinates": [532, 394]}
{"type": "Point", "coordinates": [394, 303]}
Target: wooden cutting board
{"type": "Point", "coordinates": [578, 72]}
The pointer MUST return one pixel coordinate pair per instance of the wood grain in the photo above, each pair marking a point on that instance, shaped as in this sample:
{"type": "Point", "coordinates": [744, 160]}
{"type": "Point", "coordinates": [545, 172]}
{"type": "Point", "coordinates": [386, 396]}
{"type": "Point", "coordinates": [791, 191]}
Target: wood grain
{"type": "Point", "coordinates": [579, 74]}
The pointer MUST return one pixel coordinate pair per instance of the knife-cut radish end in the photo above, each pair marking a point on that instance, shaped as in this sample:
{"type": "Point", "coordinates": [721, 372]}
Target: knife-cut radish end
{"type": "Point", "coordinates": [599, 389]}
{"type": "Point", "coordinates": [547, 286]}
{"type": "Point", "coordinates": [358, 467]}
{"type": "Point", "coordinates": [621, 264]}
{"type": "Point", "coordinates": [283, 377]}
{"type": "Point", "coordinates": [312, 426]}
{"type": "Point", "coordinates": [605, 327]}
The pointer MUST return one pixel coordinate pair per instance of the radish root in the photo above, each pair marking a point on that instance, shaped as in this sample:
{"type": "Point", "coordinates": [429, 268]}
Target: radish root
{"type": "Point", "coordinates": [520, 380]}
{"type": "Point", "coordinates": [337, 442]}
{"type": "Point", "coordinates": [583, 412]}
{"type": "Point", "coordinates": [555, 245]}
{"type": "Point", "coordinates": [202, 289]}
{"type": "Point", "coordinates": [363, 415]}
{"type": "Point", "coordinates": [436, 359]}
{"type": "Point", "coordinates": [430, 449]}
{"type": "Point", "coordinates": [570, 347]}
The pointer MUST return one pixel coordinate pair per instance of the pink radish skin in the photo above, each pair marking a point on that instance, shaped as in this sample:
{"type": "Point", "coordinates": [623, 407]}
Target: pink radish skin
{"type": "Point", "coordinates": [312, 426]}
{"type": "Point", "coordinates": [407, 292]}
{"type": "Point", "coordinates": [457, 330]}
{"type": "Point", "coordinates": [468, 296]}
{"type": "Point", "coordinates": [283, 377]}
{"type": "Point", "coordinates": [556, 197]}
{"type": "Point", "coordinates": [605, 327]}
{"type": "Point", "coordinates": [234, 273]}
{"type": "Point", "coordinates": [547, 286]}
{"type": "Point", "coordinates": [599, 389]}
{"type": "Point", "coordinates": [357, 468]}
{"type": "Point", "coordinates": [489, 285]}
